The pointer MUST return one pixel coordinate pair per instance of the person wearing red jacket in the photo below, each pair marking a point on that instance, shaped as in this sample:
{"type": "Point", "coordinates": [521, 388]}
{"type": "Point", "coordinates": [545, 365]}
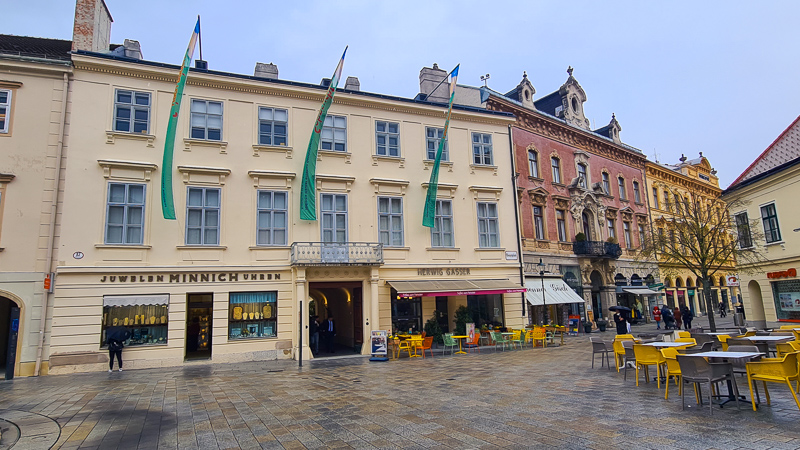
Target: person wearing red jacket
{"type": "Point", "coordinates": [657, 317]}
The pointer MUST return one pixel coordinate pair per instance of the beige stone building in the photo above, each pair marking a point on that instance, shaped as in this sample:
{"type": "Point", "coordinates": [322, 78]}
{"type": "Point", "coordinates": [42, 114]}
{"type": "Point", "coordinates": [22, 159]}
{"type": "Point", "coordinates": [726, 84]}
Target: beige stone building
{"type": "Point", "coordinates": [33, 88]}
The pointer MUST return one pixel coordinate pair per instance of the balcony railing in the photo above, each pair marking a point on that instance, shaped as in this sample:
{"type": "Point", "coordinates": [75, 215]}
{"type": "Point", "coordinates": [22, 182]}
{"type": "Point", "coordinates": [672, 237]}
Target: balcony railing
{"type": "Point", "coordinates": [337, 254]}
{"type": "Point", "coordinates": [597, 249]}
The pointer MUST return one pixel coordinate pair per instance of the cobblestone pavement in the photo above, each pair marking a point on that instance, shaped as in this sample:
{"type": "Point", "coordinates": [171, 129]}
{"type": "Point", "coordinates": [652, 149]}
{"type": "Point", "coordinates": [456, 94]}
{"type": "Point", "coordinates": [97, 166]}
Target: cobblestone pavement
{"type": "Point", "coordinates": [534, 397]}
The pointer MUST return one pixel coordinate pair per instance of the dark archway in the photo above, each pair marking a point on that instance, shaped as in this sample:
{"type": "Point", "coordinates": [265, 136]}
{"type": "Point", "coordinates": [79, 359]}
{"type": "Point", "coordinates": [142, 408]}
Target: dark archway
{"type": "Point", "coordinates": [597, 283]}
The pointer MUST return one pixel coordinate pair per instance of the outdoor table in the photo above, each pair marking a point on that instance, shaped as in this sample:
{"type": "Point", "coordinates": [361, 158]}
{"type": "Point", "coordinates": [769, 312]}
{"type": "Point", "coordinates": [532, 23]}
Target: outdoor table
{"type": "Point", "coordinates": [661, 344]}
{"type": "Point", "coordinates": [719, 333]}
{"type": "Point", "coordinates": [459, 343]}
{"type": "Point", "coordinates": [415, 341]}
{"type": "Point", "coordinates": [768, 339]}
{"type": "Point", "coordinates": [728, 355]}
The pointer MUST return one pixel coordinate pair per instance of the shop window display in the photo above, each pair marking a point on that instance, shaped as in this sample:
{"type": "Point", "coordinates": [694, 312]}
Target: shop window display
{"type": "Point", "coordinates": [253, 315]}
{"type": "Point", "coordinates": [787, 299]}
{"type": "Point", "coordinates": [146, 317]}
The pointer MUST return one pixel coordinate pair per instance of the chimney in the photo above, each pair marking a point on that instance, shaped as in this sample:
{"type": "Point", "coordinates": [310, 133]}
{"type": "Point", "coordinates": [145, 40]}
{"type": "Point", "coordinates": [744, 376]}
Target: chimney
{"type": "Point", "coordinates": [428, 79]}
{"type": "Point", "coordinates": [269, 71]}
{"type": "Point", "coordinates": [132, 49]}
{"type": "Point", "coordinates": [92, 29]}
{"type": "Point", "coordinates": [352, 84]}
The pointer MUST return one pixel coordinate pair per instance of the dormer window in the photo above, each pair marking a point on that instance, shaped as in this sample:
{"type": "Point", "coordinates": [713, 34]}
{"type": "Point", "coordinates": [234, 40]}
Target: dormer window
{"type": "Point", "coordinates": [575, 104]}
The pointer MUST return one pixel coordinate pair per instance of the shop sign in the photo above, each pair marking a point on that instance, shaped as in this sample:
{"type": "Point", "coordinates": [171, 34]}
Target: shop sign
{"type": "Point", "coordinates": [732, 280]}
{"type": "Point", "coordinates": [443, 271]}
{"type": "Point", "coordinates": [790, 301]}
{"type": "Point", "coordinates": [511, 256]}
{"type": "Point", "coordinates": [379, 347]}
{"type": "Point", "coordinates": [783, 274]}
{"type": "Point", "coordinates": [210, 277]}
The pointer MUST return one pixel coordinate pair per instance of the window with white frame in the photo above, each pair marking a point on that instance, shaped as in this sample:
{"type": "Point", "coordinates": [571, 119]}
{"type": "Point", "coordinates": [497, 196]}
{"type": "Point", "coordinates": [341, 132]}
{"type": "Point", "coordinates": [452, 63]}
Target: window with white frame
{"type": "Point", "coordinates": [637, 195]}
{"type": "Point", "coordinates": [583, 179]}
{"type": "Point", "coordinates": [206, 118]}
{"type": "Point", "coordinates": [561, 224]}
{"type": "Point", "coordinates": [125, 214]}
{"type": "Point", "coordinates": [555, 164]}
{"type": "Point", "coordinates": [626, 230]}
{"type": "Point", "coordinates": [482, 149]}
{"type": "Point", "coordinates": [487, 225]}
{"type": "Point", "coordinates": [622, 193]}
{"type": "Point", "coordinates": [132, 111]}
{"type": "Point", "coordinates": [5, 110]}
{"type": "Point", "coordinates": [333, 209]}
{"type": "Point", "coordinates": [387, 138]}
{"type": "Point", "coordinates": [390, 221]}
{"type": "Point", "coordinates": [743, 230]}
{"type": "Point", "coordinates": [334, 134]}
{"type": "Point", "coordinates": [612, 232]}
{"type": "Point", "coordinates": [202, 216]}
{"type": "Point", "coordinates": [273, 125]}
{"type": "Point", "coordinates": [655, 199]}
{"type": "Point", "coordinates": [769, 218]}
{"type": "Point", "coordinates": [432, 138]}
{"type": "Point", "coordinates": [272, 218]}
{"type": "Point", "coordinates": [533, 163]}
{"type": "Point", "coordinates": [606, 184]}
{"type": "Point", "coordinates": [442, 231]}
{"type": "Point", "coordinates": [538, 222]}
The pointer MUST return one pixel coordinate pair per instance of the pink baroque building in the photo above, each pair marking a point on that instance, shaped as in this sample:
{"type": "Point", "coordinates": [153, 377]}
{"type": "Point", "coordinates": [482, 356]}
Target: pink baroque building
{"type": "Point", "coordinates": [582, 204]}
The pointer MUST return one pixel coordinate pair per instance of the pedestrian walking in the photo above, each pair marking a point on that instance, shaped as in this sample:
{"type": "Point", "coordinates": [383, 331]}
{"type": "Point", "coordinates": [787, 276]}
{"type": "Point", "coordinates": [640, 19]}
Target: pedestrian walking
{"type": "Point", "coordinates": [657, 317]}
{"type": "Point", "coordinates": [722, 312]}
{"type": "Point", "coordinates": [621, 321]}
{"type": "Point", "coordinates": [313, 334]}
{"type": "Point", "coordinates": [676, 313]}
{"type": "Point", "coordinates": [115, 337]}
{"type": "Point", "coordinates": [687, 317]}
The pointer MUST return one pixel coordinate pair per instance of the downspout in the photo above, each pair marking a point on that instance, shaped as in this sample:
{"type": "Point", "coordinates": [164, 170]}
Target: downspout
{"type": "Point", "coordinates": [51, 235]}
{"type": "Point", "coordinates": [516, 217]}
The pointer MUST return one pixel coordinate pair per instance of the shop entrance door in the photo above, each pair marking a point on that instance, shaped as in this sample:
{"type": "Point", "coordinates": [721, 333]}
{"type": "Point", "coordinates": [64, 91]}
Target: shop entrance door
{"type": "Point", "coordinates": [344, 303]}
{"type": "Point", "coordinates": [199, 325]}
{"type": "Point", "coordinates": [9, 327]}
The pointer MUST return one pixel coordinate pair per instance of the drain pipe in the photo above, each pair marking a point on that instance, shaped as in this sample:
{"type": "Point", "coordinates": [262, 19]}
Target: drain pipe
{"type": "Point", "coordinates": [516, 216]}
{"type": "Point", "coordinates": [51, 235]}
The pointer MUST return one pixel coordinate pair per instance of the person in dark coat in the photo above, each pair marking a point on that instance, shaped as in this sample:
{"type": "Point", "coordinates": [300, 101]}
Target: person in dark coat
{"type": "Point", "coordinates": [313, 334]}
{"type": "Point", "coordinates": [687, 317]}
{"type": "Point", "coordinates": [666, 314]}
{"type": "Point", "coordinates": [621, 321]}
{"type": "Point", "coordinates": [329, 327]}
{"type": "Point", "coordinates": [114, 350]}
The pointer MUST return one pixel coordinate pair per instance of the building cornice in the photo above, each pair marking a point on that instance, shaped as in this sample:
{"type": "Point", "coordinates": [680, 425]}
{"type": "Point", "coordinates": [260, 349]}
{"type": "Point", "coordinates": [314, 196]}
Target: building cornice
{"type": "Point", "coordinates": [677, 178]}
{"type": "Point", "coordinates": [34, 66]}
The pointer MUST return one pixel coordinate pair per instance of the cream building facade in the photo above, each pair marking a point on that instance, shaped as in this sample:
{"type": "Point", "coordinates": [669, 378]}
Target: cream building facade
{"type": "Point", "coordinates": [238, 264]}
{"type": "Point", "coordinates": [668, 184]}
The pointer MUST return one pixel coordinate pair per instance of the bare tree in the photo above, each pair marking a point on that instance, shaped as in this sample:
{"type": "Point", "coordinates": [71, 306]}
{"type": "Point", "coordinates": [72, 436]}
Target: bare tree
{"type": "Point", "coordinates": [700, 235]}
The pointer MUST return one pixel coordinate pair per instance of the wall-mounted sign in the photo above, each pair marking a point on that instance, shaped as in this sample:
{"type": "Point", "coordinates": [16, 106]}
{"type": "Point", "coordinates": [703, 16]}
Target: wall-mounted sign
{"type": "Point", "coordinates": [511, 256]}
{"type": "Point", "coordinates": [77, 255]}
{"type": "Point", "coordinates": [783, 273]}
{"type": "Point", "coordinates": [443, 271]}
{"type": "Point", "coordinates": [732, 280]}
{"type": "Point", "coordinates": [210, 277]}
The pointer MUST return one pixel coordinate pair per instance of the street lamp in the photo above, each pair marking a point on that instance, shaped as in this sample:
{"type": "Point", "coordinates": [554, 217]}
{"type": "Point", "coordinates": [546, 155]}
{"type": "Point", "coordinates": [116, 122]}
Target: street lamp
{"type": "Point", "coordinates": [544, 301]}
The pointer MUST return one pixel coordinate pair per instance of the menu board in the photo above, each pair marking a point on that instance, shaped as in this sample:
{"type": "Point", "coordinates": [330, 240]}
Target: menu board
{"type": "Point", "coordinates": [471, 331]}
{"type": "Point", "coordinates": [379, 342]}
{"type": "Point", "coordinates": [789, 301]}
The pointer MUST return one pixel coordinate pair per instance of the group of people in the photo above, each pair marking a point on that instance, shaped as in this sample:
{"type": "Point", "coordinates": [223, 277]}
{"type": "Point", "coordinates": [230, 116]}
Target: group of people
{"type": "Point", "coordinates": [673, 318]}
{"type": "Point", "coordinates": [325, 332]}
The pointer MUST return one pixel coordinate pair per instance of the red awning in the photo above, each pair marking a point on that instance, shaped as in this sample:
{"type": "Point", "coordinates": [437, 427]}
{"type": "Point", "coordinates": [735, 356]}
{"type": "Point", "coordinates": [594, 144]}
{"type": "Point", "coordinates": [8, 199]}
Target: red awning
{"type": "Point", "coordinates": [445, 288]}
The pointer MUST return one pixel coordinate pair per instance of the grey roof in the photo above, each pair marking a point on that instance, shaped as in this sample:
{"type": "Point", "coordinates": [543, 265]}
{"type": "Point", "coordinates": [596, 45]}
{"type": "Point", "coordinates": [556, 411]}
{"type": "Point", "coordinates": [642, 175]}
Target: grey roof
{"type": "Point", "coordinates": [35, 47]}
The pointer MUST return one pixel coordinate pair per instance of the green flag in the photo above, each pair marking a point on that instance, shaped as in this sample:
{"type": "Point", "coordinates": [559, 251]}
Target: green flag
{"type": "Point", "coordinates": [308, 188]}
{"type": "Point", "coordinates": [433, 186]}
{"type": "Point", "coordinates": [167, 203]}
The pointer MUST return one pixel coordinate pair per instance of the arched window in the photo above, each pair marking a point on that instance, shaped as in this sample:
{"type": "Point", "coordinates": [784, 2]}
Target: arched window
{"type": "Point", "coordinates": [555, 163]}
{"type": "Point", "coordinates": [678, 282]}
{"type": "Point", "coordinates": [533, 163]}
{"type": "Point", "coordinates": [583, 179]}
{"type": "Point", "coordinates": [620, 280]}
{"type": "Point", "coordinates": [722, 280]}
{"type": "Point", "coordinates": [636, 280]}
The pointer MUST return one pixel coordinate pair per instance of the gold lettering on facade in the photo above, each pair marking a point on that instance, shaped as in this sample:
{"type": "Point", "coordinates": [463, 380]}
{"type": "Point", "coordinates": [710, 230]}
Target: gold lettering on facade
{"type": "Point", "coordinates": [213, 277]}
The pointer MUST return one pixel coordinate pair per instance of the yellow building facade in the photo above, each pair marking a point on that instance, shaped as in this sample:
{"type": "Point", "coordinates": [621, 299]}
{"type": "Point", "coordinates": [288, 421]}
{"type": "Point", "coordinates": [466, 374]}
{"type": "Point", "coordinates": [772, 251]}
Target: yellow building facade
{"type": "Point", "coordinates": [237, 273]}
{"type": "Point", "coordinates": [667, 185]}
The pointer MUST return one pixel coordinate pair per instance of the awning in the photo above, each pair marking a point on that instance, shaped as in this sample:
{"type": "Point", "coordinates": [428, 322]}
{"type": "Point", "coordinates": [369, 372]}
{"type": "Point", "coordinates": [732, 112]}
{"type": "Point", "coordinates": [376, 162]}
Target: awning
{"type": "Point", "coordinates": [556, 292]}
{"type": "Point", "coordinates": [640, 291]}
{"type": "Point", "coordinates": [135, 300]}
{"type": "Point", "coordinates": [434, 288]}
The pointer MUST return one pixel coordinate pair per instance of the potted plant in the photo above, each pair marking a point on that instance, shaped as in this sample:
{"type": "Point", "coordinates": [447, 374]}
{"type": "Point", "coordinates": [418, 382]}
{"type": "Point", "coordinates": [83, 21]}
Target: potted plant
{"type": "Point", "coordinates": [580, 237]}
{"type": "Point", "coordinates": [612, 240]}
{"type": "Point", "coordinates": [433, 329]}
{"type": "Point", "coordinates": [602, 323]}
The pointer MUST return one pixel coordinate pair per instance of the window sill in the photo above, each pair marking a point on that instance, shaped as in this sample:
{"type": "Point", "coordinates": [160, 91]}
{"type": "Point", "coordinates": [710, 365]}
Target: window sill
{"type": "Point", "coordinates": [429, 163]}
{"type": "Point", "coordinates": [127, 246]}
{"type": "Point", "coordinates": [638, 203]}
{"type": "Point", "coordinates": [112, 136]}
{"type": "Point", "coordinates": [257, 148]}
{"type": "Point", "coordinates": [396, 159]}
{"type": "Point", "coordinates": [541, 180]}
{"type": "Point", "coordinates": [774, 243]}
{"type": "Point", "coordinates": [201, 247]}
{"type": "Point", "coordinates": [404, 249]}
{"type": "Point", "coordinates": [474, 167]}
{"type": "Point", "coordinates": [345, 155]}
{"type": "Point", "coordinates": [269, 247]}
{"type": "Point", "coordinates": [558, 184]}
{"type": "Point", "coordinates": [254, 338]}
{"type": "Point", "coordinates": [188, 143]}
{"type": "Point", "coordinates": [442, 249]}
{"type": "Point", "coordinates": [489, 249]}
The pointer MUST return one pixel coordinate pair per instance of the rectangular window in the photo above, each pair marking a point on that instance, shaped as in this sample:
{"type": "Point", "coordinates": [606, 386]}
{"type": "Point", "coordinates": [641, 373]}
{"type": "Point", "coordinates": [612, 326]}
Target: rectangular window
{"type": "Point", "coordinates": [253, 315]}
{"type": "Point", "coordinates": [125, 214]}
{"type": "Point", "coordinates": [637, 196]}
{"type": "Point", "coordinates": [206, 117]}
{"type": "Point", "coordinates": [202, 216]}
{"type": "Point", "coordinates": [641, 234]}
{"type": "Point", "coordinates": [482, 149]}
{"type": "Point", "coordinates": [555, 164]}
{"type": "Point", "coordinates": [273, 125]}
{"type": "Point", "coordinates": [662, 242]}
{"type": "Point", "coordinates": [334, 134]}
{"type": "Point", "coordinates": [132, 111]}
{"type": "Point", "coordinates": [677, 203]}
{"type": "Point", "coordinates": [655, 199]}
{"type": "Point", "coordinates": [583, 179]}
{"type": "Point", "coordinates": [487, 225]}
{"type": "Point", "coordinates": [562, 225]}
{"type": "Point", "coordinates": [272, 218]}
{"type": "Point", "coordinates": [622, 194]}
{"type": "Point", "coordinates": [743, 230]}
{"type": "Point", "coordinates": [387, 138]}
{"type": "Point", "coordinates": [5, 110]}
{"type": "Point", "coordinates": [538, 222]}
{"type": "Point", "coordinates": [432, 138]}
{"type": "Point", "coordinates": [606, 184]}
{"type": "Point", "coordinates": [334, 218]}
{"type": "Point", "coordinates": [612, 232]}
{"type": "Point", "coordinates": [390, 221]}
{"type": "Point", "coordinates": [626, 229]}
{"type": "Point", "coordinates": [769, 217]}
{"type": "Point", "coordinates": [442, 232]}
{"type": "Point", "coordinates": [667, 205]}
{"type": "Point", "coordinates": [533, 163]}
{"type": "Point", "coordinates": [145, 317]}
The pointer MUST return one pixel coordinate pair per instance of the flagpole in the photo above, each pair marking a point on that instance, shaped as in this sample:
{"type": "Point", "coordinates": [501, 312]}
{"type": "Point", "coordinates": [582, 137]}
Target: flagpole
{"type": "Point", "coordinates": [200, 37]}
{"type": "Point", "coordinates": [434, 89]}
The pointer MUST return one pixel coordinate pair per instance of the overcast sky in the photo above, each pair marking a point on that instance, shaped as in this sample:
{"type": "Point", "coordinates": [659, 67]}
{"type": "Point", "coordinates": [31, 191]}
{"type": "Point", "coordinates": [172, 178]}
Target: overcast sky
{"type": "Point", "coordinates": [682, 76]}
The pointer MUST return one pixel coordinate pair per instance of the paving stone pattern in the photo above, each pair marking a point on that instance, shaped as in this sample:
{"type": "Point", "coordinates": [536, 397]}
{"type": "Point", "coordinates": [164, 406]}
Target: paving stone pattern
{"type": "Point", "coordinates": [530, 398]}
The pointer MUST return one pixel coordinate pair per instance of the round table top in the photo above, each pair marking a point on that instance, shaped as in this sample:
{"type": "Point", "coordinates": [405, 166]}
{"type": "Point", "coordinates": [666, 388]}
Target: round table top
{"type": "Point", "coordinates": [460, 337]}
